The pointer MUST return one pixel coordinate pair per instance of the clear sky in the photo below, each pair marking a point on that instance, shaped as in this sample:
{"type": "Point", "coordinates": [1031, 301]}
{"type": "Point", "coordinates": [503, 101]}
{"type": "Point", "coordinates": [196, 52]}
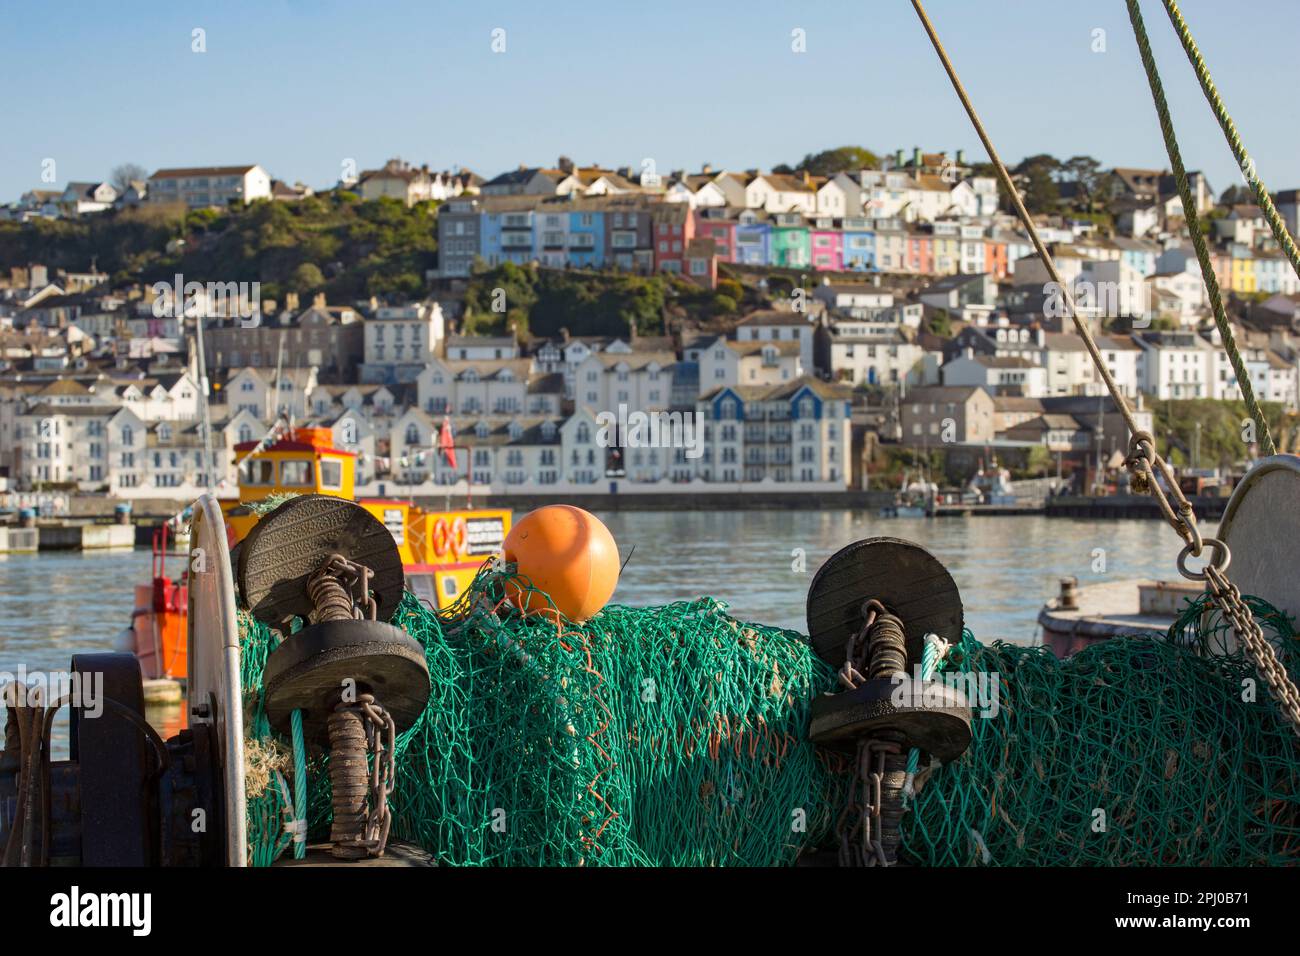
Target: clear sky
{"type": "Point", "coordinates": [301, 86]}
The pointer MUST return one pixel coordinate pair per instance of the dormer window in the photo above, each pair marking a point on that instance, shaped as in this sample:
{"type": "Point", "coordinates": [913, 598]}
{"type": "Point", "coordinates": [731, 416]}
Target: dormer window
{"type": "Point", "coordinates": [164, 433]}
{"type": "Point", "coordinates": [481, 430]}
{"type": "Point", "coordinates": [548, 430]}
{"type": "Point", "coordinates": [516, 431]}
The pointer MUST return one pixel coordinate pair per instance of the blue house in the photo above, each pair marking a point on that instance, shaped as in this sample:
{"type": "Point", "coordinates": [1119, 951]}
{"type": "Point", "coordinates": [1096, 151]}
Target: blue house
{"type": "Point", "coordinates": [507, 237]}
{"type": "Point", "coordinates": [586, 238]}
{"type": "Point", "coordinates": [753, 238]}
{"type": "Point", "coordinates": [859, 249]}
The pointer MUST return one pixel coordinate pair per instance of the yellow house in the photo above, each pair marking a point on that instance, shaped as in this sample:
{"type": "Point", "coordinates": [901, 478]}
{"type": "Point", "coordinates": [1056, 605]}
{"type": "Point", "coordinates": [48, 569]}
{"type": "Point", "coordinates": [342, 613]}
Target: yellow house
{"type": "Point", "coordinates": [1243, 274]}
{"type": "Point", "coordinates": [947, 255]}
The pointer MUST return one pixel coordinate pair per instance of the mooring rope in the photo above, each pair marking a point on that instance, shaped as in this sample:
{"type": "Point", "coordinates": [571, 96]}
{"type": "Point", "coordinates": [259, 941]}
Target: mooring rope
{"type": "Point", "coordinates": [1144, 460]}
{"type": "Point", "coordinates": [1262, 198]}
{"type": "Point", "coordinates": [1194, 224]}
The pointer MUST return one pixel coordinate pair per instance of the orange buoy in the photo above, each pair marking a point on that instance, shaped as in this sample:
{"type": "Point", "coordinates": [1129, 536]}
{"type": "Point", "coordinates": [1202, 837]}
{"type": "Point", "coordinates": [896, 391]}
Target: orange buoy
{"type": "Point", "coordinates": [566, 553]}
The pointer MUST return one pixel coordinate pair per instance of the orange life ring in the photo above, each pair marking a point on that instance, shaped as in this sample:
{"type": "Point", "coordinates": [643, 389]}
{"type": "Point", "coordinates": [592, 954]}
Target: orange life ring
{"type": "Point", "coordinates": [440, 537]}
{"type": "Point", "coordinates": [458, 535]}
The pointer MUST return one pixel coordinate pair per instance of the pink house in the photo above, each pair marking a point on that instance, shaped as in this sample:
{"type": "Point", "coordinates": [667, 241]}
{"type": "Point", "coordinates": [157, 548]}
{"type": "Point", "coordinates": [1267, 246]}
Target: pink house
{"type": "Point", "coordinates": [827, 249]}
{"type": "Point", "coordinates": [710, 225]}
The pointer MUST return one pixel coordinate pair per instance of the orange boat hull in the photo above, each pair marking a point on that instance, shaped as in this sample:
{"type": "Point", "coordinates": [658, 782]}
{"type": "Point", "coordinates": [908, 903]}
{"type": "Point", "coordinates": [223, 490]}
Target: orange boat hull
{"type": "Point", "coordinates": [159, 626]}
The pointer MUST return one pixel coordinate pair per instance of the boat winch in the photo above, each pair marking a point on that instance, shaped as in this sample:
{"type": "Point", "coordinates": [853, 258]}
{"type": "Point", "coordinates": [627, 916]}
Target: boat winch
{"type": "Point", "coordinates": [353, 680]}
{"type": "Point", "coordinates": [883, 611]}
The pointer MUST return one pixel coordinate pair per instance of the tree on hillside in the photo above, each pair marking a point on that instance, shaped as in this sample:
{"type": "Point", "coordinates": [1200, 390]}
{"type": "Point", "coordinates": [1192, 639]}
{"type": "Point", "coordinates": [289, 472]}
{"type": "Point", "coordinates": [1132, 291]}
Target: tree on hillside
{"type": "Point", "coordinates": [1036, 178]}
{"type": "Point", "coordinates": [123, 175]}
{"type": "Point", "coordinates": [1086, 173]}
{"type": "Point", "coordinates": [831, 161]}
{"type": "Point", "coordinates": [307, 278]}
{"type": "Point", "coordinates": [1236, 195]}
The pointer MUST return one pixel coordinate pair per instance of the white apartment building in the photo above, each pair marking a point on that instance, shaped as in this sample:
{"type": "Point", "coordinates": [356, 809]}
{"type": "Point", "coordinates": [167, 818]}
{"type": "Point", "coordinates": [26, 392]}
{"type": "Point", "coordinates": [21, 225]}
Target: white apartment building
{"type": "Point", "coordinates": [202, 186]}
{"type": "Point", "coordinates": [516, 454]}
{"type": "Point", "coordinates": [255, 390]}
{"type": "Point", "coordinates": [639, 380]}
{"type": "Point", "coordinates": [862, 353]}
{"type": "Point", "coordinates": [778, 325]}
{"type": "Point", "coordinates": [489, 388]}
{"type": "Point", "coordinates": [1176, 365]}
{"type": "Point", "coordinates": [727, 362]}
{"type": "Point", "coordinates": [109, 448]}
{"type": "Point", "coordinates": [796, 431]}
{"type": "Point", "coordinates": [1124, 360]}
{"type": "Point", "coordinates": [399, 340]}
{"type": "Point", "coordinates": [999, 375]}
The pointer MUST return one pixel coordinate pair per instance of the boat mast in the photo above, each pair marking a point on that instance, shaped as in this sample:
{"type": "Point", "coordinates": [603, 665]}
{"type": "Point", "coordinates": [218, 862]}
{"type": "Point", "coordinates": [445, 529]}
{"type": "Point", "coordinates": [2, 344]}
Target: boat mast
{"type": "Point", "coordinates": [209, 464]}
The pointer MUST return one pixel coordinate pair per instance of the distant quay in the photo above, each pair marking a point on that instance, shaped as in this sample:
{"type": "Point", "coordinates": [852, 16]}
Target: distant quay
{"type": "Point", "coordinates": [149, 513]}
{"type": "Point", "coordinates": [1127, 506]}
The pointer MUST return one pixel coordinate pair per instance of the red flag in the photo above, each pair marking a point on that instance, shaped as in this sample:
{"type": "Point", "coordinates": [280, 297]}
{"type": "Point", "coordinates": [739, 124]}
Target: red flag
{"type": "Point", "coordinates": [447, 442]}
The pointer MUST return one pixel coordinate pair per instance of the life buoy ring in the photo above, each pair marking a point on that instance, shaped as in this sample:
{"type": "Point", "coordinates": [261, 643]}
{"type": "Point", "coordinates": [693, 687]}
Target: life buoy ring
{"type": "Point", "coordinates": [440, 537]}
{"type": "Point", "coordinates": [458, 536]}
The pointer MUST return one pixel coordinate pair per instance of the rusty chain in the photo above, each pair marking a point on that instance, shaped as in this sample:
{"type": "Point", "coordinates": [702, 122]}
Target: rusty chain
{"type": "Point", "coordinates": [352, 835]}
{"type": "Point", "coordinates": [860, 827]}
{"type": "Point", "coordinates": [1142, 463]}
{"type": "Point", "coordinates": [340, 591]}
{"type": "Point", "coordinates": [1261, 652]}
{"type": "Point", "coordinates": [381, 734]}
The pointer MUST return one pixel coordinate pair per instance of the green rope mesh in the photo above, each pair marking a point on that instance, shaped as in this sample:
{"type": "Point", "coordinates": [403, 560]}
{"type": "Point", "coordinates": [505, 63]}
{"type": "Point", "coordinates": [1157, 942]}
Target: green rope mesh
{"type": "Point", "coordinates": [677, 735]}
{"type": "Point", "coordinates": [656, 736]}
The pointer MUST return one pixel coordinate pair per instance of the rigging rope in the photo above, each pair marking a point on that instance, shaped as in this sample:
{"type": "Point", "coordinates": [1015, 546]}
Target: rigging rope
{"type": "Point", "coordinates": [1192, 218]}
{"type": "Point", "coordinates": [1143, 460]}
{"type": "Point", "coordinates": [1247, 165]}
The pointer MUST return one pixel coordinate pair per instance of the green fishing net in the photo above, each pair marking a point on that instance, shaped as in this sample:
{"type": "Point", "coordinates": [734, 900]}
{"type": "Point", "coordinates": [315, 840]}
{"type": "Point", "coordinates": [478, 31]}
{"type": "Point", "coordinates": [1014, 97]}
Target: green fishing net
{"type": "Point", "coordinates": [677, 735]}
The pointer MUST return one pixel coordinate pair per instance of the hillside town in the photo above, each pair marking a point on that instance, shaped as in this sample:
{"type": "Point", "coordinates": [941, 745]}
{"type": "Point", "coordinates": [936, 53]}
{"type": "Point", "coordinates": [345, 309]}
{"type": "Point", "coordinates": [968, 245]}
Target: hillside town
{"type": "Point", "coordinates": [865, 310]}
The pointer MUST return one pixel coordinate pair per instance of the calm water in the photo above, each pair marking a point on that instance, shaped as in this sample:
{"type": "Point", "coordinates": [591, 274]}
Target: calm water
{"type": "Point", "coordinates": [54, 604]}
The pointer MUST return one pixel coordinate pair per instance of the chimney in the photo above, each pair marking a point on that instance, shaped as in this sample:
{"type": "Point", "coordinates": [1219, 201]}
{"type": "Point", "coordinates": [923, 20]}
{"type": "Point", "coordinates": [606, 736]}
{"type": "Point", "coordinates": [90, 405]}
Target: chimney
{"type": "Point", "coordinates": [318, 300]}
{"type": "Point", "coordinates": [898, 159]}
{"type": "Point", "coordinates": [564, 335]}
{"type": "Point", "coordinates": [961, 157]}
{"type": "Point", "coordinates": [564, 164]}
{"type": "Point", "coordinates": [916, 159]}
{"type": "Point", "coordinates": [807, 178]}
{"type": "Point", "coordinates": [706, 168]}
{"type": "Point", "coordinates": [291, 301]}
{"type": "Point", "coordinates": [374, 304]}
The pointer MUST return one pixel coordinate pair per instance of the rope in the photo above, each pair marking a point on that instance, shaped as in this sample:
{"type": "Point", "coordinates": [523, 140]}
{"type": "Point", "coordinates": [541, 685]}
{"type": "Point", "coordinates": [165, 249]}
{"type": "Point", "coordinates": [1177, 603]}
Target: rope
{"type": "Point", "coordinates": [1143, 461]}
{"type": "Point", "coordinates": [1193, 219]}
{"type": "Point", "coordinates": [299, 788]}
{"type": "Point", "coordinates": [1262, 197]}
{"type": "Point", "coordinates": [932, 653]}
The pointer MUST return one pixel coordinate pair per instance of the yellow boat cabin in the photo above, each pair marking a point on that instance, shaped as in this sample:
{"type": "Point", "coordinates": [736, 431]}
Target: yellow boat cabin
{"type": "Point", "coordinates": [441, 551]}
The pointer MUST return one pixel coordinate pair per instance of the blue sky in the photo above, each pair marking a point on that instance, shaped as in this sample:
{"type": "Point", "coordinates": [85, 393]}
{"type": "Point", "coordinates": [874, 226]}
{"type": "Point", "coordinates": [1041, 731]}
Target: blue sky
{"type": "Point", "coordinates": [302, 86]}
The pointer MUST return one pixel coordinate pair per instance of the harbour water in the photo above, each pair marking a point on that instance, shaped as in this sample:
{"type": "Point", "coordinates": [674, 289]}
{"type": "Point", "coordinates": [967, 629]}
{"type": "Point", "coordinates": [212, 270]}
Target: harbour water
{"type": "Point", "coordinates": [55, 604]}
